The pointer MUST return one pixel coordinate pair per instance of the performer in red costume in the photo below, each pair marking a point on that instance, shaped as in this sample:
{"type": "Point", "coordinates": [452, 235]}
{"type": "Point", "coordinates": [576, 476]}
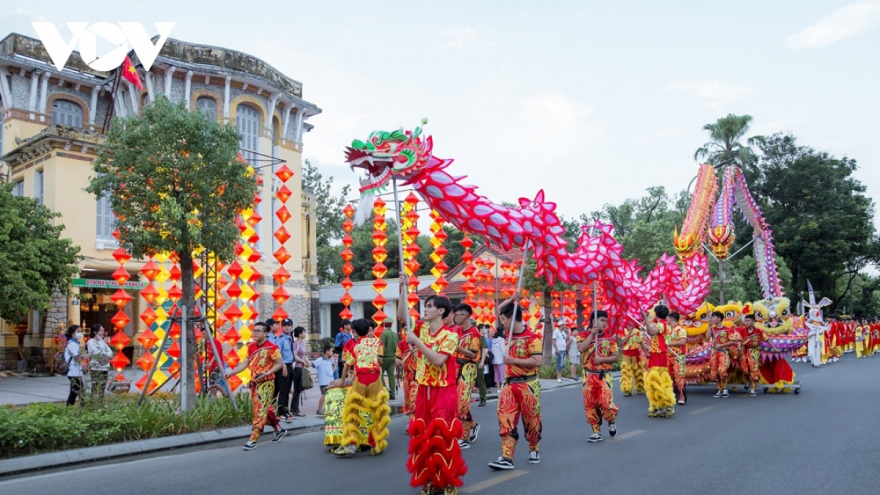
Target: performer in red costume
{"type": "Point", "coordinates": [598, 398]}
{"type": "Point", "coordinates": [467, 357]}
{"type": "Point", "coordinates": [750, 357]}
{"type": "Point", "coordinates": [435, 428]}
{"type": "Point", "coordinates": [720, 336]}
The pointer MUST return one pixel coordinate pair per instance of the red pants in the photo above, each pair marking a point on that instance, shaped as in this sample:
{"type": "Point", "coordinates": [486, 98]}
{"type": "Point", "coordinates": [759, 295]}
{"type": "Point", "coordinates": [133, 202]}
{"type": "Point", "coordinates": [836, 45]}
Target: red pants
{"type": "Point", "coordinates": [720, 363]}
{"type": "Point", "coordinates": [434, 431]}
{"type": "Point", "coordinates": [409, 384]}
{"type": "Point", "coordinates": [598, 402]}
{"type": "Point", "coordinates": [519, 399]}
{"type": "Point", "coordinates": [261, 396]}
{"type": "Point", "coordinates": [749, 362]}
{"type": "Point", "coordinates": [466, 379]}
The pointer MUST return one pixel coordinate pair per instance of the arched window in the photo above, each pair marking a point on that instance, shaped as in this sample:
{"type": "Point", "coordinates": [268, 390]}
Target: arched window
{"type": "Point", "coordinates": [67, 113]}
{"type": "Point", "coordinates": [208, 106]}
{"type": "Point", "coordinates": [145, 100]}
{"type": "Point", "coordinates": [248, 122]}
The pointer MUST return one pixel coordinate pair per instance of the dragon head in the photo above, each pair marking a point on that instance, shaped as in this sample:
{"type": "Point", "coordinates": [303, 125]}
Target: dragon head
{"type": "Point", "coordinates": [773, 316]}
{"type": "Point", "coordinates": [384, 156]}
{"type": "Point", "coordinates": [685, 244]}
{"type": "Point", "coordinates": [721, 237]}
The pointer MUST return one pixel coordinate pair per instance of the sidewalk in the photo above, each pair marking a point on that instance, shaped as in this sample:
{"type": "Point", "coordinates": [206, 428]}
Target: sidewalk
{"type": "Point", "coordinates": [23, 390]}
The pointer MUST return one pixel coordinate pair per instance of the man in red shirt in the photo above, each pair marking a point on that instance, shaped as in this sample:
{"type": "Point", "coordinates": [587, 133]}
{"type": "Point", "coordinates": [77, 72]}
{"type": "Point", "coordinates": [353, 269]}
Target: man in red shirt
{"type": "Point", "coordinates": [598, 398]}
{"type": "Point", "coordinates": [722, 340]}
{"type": "Point", "coordinates": [263, 361]}
{"type": "Point", "coordinates": [521, 395]}
{"type": "Point", "coordinates": [750, 357]}
{"type": "Point", "coordinates": [362, 355]}
{"type": "Point", "coordinates": [435, 428]}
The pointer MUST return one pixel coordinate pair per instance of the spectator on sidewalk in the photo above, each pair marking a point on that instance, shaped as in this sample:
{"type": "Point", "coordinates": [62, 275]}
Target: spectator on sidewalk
{"type": "Point", "coordinates": [560, 338]}
{"type": "Point", "coordinates": [574, 356]}
{"type": "Point", "coordinates": [342, 338]}
{"type": "Point", "coordinates": [300, 356]}
{"type": "Point", "coordinates": [389, 339]}
{"type": "Point", "coordinates": [73, 358]}
{"type": "Point", "coordinates": [284, 379]}
{"type": "Point", "coordinates": [498, 357]}
{"type": "Point", "coordinates": [99, 358]}
{"type": "Point", "coordinates": [326, 368]}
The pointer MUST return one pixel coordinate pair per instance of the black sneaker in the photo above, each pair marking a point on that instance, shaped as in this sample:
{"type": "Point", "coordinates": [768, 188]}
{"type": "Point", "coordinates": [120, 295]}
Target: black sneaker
{"type": "Point", "coordinates": [482, 404]}
{"type": "Point", "coordinates": [279, 435]}
{"type": "Point", "coordinates": [501, 464]}
{"type": "Point", "coordinates": [612, 429]}
{"type": "Point", "coordinates": [474, 432]}
{"type": "Point", "coordinates": [250, 445]}
{"type": "Point", "coordinates": [725, 394]}
{"type": "Point", "coordinates": [534, 457]}
{"type": "Point", "coordinates": [463, 445]}
{"type": "Point", "coordinates": [595, 437]}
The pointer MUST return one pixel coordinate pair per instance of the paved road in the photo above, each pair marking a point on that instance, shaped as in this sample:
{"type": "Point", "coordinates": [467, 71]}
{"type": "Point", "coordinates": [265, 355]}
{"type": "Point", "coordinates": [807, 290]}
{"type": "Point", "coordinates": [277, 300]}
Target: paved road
{"type": "Point", "coordinates": [825, 440]}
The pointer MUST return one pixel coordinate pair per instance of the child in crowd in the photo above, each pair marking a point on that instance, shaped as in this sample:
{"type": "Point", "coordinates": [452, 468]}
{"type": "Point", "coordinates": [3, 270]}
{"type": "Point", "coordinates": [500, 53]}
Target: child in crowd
{"type": "Point", "coordinates": [326, 369]}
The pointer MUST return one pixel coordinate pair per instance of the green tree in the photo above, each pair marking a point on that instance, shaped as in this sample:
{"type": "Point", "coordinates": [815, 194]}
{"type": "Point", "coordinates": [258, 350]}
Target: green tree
{"type": "Point", "coordinates": [822, 220]}
{"type": "Point", "coordinates": [725, 146]}
{"type": "Point", "coordinates": [330, 217]}
{"type": "Point", "coordinates": [36, 261]}
{"type": "Point", "coordinates": [176, 186]}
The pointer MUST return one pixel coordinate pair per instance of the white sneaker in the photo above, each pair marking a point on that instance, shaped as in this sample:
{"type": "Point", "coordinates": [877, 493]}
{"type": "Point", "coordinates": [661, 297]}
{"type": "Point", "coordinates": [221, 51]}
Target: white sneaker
{"type": "Point", "coordinates": [559, 380]}
{"type": "Point", "coordinates": [474, 432]}
{"type": "Point", "coordinates": [463, 445]}
{"type": "Point", "coordinates": [612, 429]}
{"type": "Point", "coordinates": [534, 457]}
{"type": "Point", "coordinates": [595, 437]}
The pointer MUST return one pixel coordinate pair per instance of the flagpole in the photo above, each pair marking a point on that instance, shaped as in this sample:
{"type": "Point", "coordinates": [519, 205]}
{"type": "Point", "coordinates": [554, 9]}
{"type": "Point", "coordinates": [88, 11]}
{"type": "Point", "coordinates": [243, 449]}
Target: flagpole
{"type": "Point", "coordinates": [405, 293]}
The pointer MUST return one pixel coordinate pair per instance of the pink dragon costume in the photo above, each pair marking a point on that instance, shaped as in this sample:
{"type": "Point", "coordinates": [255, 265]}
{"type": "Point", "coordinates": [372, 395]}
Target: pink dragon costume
{"type": "Point", "coordinates": [772, 313]}
{"type": "Point", "coordinates": [407, 156]}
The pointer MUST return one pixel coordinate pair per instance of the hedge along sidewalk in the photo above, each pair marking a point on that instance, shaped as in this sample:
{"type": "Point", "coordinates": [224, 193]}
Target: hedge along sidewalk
{"type": "Point", "coordinates": [24, 464]}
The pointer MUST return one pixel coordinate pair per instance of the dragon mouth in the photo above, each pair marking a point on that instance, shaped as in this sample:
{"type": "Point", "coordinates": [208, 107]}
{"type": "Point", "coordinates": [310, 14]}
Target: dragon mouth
{"type": "Point", "coordinates": [377, 170]}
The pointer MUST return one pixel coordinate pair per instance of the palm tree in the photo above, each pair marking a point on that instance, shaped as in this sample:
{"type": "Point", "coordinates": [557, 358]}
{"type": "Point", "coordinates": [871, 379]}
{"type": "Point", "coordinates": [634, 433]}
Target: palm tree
{"type": "Point", "coordinates": [725, 148]}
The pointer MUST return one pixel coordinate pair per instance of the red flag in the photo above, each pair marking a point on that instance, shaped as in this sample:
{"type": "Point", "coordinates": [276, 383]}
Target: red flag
{"type": "Point", "coordinates": [130, 73]}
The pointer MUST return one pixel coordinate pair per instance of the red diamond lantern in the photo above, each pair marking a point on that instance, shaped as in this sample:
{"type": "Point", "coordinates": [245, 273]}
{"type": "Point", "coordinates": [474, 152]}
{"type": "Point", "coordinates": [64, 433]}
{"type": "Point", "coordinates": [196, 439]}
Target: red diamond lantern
{"type": "Point", "coordinates": [120, 320]}
{"type": "Point", "coordinates": [146, 361]}
{"type": "Point", "coordinates": [147, 339]}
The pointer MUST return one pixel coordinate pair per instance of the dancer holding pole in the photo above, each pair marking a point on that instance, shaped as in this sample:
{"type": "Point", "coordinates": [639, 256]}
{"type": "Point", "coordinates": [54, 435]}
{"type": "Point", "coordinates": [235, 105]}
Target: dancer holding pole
{"type": "Point", "coordinates": [521, 395]}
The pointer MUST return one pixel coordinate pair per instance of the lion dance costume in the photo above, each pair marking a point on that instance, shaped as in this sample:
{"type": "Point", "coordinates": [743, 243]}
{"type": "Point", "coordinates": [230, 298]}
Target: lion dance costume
{"type": "Point", "coordinates": [598, 398]}
{"type": "Point", "coordinates": [261, 358]}
{"type": "Point", "coordinates": [367, 396]}
{"type": "Point", "coordinates": [661, 399]}
{"type": "Point", "coordinates": [435, 461]}
{"type": "Point", "coordinates": [632, 366]}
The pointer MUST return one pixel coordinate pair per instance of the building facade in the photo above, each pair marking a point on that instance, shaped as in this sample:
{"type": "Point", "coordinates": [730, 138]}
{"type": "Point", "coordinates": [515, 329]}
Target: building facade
{"type": "Point", "coordinates": [52, 122]}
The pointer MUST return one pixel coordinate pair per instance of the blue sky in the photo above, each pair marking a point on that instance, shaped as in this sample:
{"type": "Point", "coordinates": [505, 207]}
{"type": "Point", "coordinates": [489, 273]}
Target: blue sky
{"type": "Point", "coordinates": [591, 101]}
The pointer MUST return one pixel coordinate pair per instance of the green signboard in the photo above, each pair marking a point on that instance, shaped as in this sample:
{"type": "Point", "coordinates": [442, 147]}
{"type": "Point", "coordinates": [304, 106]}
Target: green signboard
{"type": "Point", "coordinates": [95, 283]}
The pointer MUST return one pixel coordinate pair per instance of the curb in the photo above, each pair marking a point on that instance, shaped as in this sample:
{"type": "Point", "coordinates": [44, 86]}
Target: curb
{"type": "Point", "coordinates": [36, 462]}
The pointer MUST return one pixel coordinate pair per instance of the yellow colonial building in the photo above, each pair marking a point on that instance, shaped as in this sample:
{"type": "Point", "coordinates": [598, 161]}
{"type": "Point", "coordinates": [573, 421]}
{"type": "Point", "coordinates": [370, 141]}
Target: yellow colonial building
{"type": "Point", "coordinates": [52, 121]}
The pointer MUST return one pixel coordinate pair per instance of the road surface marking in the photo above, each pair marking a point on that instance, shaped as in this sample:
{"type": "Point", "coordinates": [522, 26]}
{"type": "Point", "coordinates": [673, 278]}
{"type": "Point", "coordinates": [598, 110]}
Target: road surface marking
{"type": "Point", "coordinates": [805, 375]}
{"type": "Point", "coordinates": [701, 410]}
{"type": "Point", "coordinates": [627, 435]}
{"type": "Point", "coordinates": [516, 473]}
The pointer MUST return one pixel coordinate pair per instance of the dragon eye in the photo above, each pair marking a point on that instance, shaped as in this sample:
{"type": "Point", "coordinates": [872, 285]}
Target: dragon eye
{"type": "Point", "coordinates": [729, 314]}
{"type": "Point", "coordinates": [785, 312]}
{"type": "Point", "coordinates": [759, 315]}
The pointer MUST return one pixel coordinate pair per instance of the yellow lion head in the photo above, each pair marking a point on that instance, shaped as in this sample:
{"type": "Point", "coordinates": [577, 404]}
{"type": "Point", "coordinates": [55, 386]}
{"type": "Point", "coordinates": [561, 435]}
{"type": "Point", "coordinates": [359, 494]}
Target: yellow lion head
{"type": "Point", "coordinates": [733, 312]}
{"type": "Point", "coordinates": [697, 323]}
{"type": "Point", "coordinates": [773, 315]}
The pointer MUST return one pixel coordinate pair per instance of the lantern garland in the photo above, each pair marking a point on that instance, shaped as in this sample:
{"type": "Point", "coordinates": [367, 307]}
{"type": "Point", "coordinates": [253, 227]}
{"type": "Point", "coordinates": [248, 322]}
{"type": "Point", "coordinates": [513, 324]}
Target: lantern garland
{"type": "Point", "coordinates": [149, 316]}
{"type": "Point", "coordinates": [347, 268]}
{"type": "Point", "coordinates": [120, 320]}
{"type": "Point", "coordinates": [556, 313]}
{"type": "Point", "coordinates": [437, 238]}
{"type": "Point", "coordinates": [281, 275]}
{"type": "Point", "coordinates": [410, 233]}
{"type": "Point", "coordinates": [467, 258]}
{"type": "Point", "coordinates": [380, 254]}
{"type": "Point", "coordinates": [569, 311]}
{"type": "Point", "coordinates": [490, 291]}
{"type": "Point", "coordinates": [539, 302]}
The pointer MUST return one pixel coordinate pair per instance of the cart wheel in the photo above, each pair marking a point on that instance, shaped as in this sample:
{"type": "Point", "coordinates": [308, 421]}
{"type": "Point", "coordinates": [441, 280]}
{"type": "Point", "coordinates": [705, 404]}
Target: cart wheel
{"type": "Point", "coordinates": [797, 391]}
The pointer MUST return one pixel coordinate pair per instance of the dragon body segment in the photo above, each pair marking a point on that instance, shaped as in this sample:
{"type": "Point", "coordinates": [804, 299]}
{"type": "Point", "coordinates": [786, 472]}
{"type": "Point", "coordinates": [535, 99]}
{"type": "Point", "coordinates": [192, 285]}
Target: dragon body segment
{"type": "Point", "coordinates": [407, 156]}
